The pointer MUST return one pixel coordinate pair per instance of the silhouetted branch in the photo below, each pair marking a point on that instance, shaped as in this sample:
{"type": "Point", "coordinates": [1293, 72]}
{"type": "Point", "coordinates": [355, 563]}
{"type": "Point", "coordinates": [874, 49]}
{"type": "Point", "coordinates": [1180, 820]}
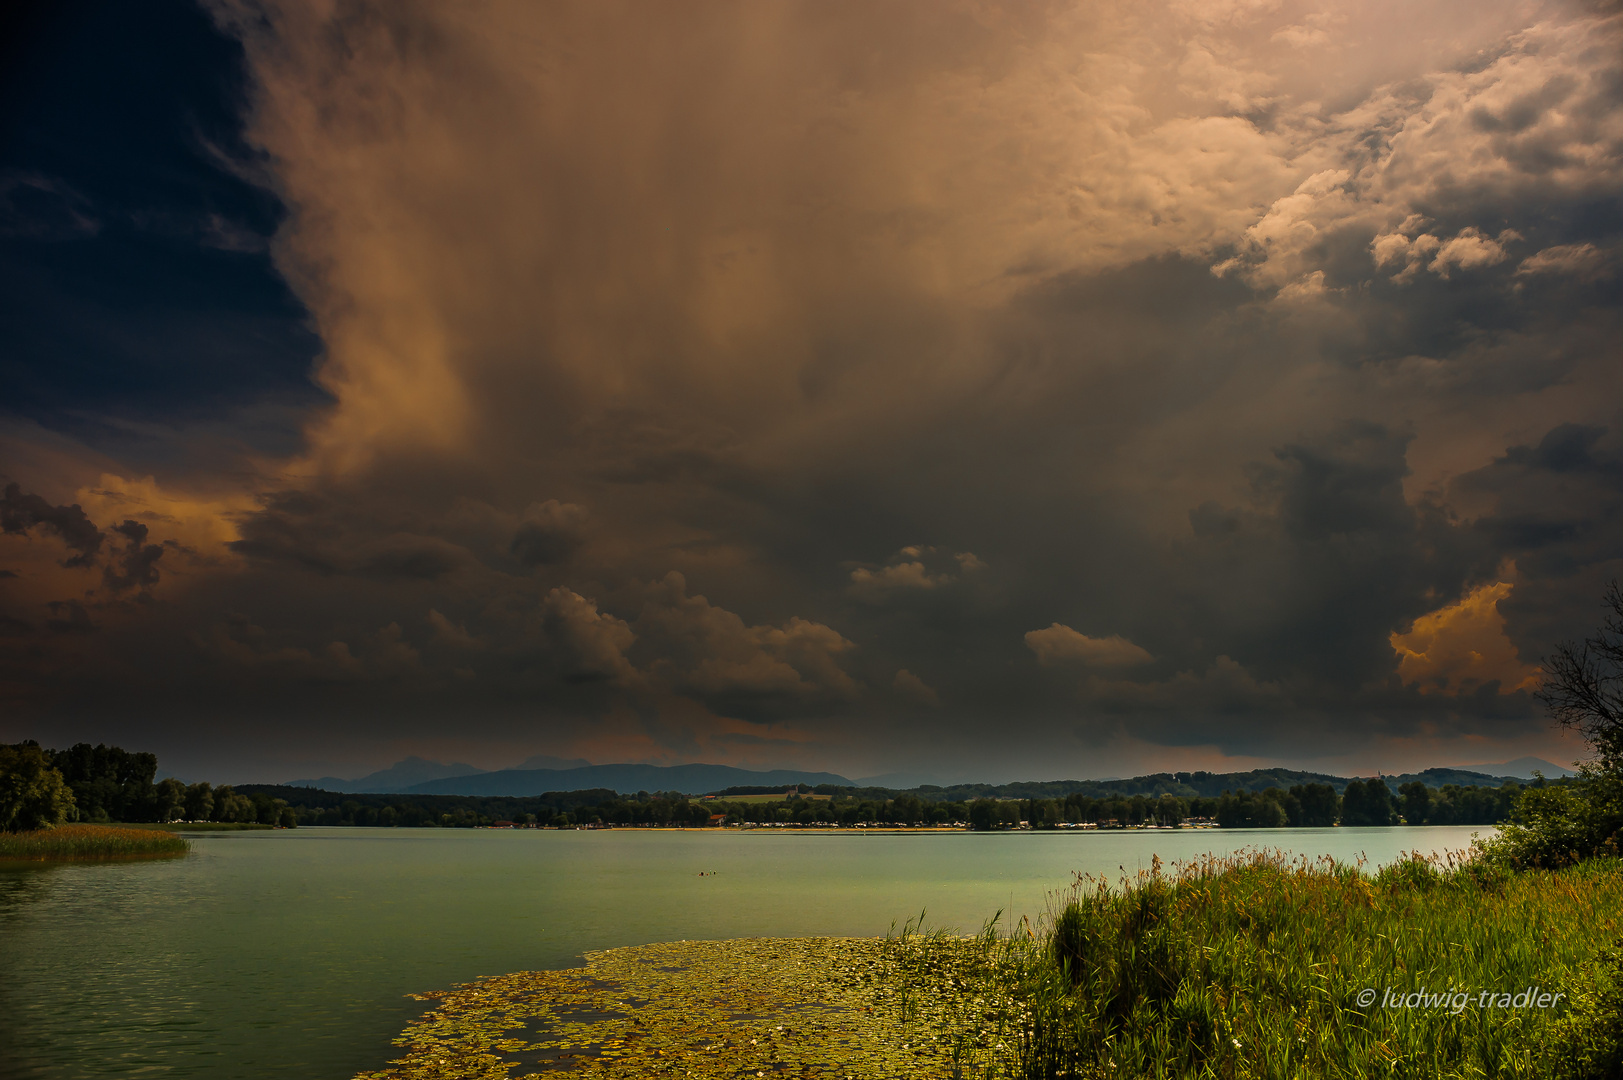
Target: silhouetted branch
{"type": "Point", "coordinates": [1582, 684]}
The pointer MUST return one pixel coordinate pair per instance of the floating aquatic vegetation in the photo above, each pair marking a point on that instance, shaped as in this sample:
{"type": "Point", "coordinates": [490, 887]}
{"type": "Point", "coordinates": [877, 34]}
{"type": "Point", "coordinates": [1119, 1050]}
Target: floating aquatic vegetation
{"type": "Point", "coordinates": [861, 1008]}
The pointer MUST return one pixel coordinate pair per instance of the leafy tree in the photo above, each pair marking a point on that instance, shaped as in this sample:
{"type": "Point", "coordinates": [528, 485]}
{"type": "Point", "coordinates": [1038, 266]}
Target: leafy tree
{"type": "Point", "coordinates": [1170, 810]}
{"type": "Point", "coordinates": [168, 799]}
{"type": "Point", "coordinates": [1252, 810]}
{"type": "Point", "coordinates": [984, 815]}
{"type": "Point", "coordinates": [1416, 802]}
{"type": "Point", "coordinates": [1368, 803]}
{"type": "Point", "coordinates": [109, 783]}
{"type": "Point", "coordinates": [33, 794]}
{"type": "Point", "coordinates": [906, 808]}
{"type": "Point", "coordinates": [1317, 805]}
{"type": "Point", "coordinates": [230, 806]}
{"type": "Point", "coordinates": [199, 802]}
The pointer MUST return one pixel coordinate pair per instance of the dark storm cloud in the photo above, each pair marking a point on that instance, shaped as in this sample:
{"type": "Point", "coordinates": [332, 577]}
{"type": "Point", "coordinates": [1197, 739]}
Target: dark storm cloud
{"type": "Point", "coordinates": [1331, 560]}
{"type": "Point", "coordinates": [1557, 506]}
{"type": "Point", "coordinates": [550, 533]}
{"type": "Point", "coordinates": [309, 532]}
{"type": "Point", "coordinates": [73, 618]}
{"type": "Point", "coordinates": [421, 558]}
{"type": "Point", "coordinates": [137, 565]}
{"type": "Point", "coordinates": [20, 511]}
{"type": "Point", "coordinates": [833, 385]}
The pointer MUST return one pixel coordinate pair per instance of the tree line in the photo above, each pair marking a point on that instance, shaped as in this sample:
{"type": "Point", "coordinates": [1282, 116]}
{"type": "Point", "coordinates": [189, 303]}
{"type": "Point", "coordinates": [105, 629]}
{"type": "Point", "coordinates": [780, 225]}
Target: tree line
{"type": "Point", "coordinates": [557, 809]}
{"type": "Point", "coordinates": [1363, 802]}
{"type": "Point", "coordinates": [1369, 802]}
{"type": "Point", "coordinates": [107, 783]}
{"type": "Point", "coordinates": [41, 787]}
{"type": "Point", "coordinates": [1185, 785]}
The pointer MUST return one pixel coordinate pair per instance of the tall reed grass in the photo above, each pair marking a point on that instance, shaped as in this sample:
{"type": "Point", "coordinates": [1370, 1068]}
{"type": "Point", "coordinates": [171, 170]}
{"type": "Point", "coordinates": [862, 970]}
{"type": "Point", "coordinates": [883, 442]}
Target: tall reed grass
{"type": "Point", "coordinates": [1254, 966]}
{"type": "Point", "coordinates": [90, 842]}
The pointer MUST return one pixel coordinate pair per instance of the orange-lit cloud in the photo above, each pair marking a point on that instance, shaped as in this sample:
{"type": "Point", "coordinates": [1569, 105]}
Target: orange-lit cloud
{"type": "Point", "coordinates": [1459, 648]}
{"type": "Point", "coordinates": [1060, 644]}
{"type": "Point", "coordinates": [205, 524]}
{"type": "Point", "coordinates": [606, 206]}
{"type": "Point", "coordinates": [145, 537]}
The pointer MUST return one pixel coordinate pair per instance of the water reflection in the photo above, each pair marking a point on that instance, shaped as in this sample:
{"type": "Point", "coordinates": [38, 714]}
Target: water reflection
{"type": "Point", "coordinates": [23, 892]}
{"type": "Point", "coordinates": [289, 954]}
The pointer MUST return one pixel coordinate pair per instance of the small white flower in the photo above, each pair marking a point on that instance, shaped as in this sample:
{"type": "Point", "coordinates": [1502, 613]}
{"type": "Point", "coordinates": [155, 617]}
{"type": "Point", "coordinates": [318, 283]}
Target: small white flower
{"type": "Point", "coordinates": [1236, 1043]}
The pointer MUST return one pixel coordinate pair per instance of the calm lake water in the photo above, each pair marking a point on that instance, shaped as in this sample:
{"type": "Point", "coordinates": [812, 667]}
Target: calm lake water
{"type": "Point", "coordinates": [283, 955]}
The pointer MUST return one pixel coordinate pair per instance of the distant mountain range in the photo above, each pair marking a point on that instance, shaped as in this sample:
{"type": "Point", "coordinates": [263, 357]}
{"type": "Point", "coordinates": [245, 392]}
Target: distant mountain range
{"type": "Point", "coordinates": [626, 779]}
{"type": "Point", "coordinates": [396, 778]}
{"type": "Point", "coordinates": [1522, 768]}
{"type": "Point", "coordinates": [543, 773]}
{"type": "Point", "coordinates": [901, 780]}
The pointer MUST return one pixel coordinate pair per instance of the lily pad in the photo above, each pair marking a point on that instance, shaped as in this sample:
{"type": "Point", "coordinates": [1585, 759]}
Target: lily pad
{"type": "Point", "coordinates": [856, 1008]}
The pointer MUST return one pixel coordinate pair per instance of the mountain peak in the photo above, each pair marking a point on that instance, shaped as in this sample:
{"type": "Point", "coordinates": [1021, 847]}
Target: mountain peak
{"type": "Point", "coordinates": [400, 775]}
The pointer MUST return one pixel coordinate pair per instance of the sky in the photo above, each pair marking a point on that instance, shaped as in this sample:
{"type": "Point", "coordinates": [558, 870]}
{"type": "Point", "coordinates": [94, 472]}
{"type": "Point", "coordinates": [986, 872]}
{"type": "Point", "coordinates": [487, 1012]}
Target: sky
{"type": "Point", "coordinates": [985, 391]}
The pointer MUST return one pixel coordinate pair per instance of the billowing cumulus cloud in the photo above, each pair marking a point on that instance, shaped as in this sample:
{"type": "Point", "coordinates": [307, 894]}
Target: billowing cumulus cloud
{"type": "Point", "coordinates": [710, 652]}
{"type": "Point", "coordinates": [913, 569]}
{"type": "Point", "coordinates": [751, 381]}
{"type": "Point", "coordinates": [592, 643]}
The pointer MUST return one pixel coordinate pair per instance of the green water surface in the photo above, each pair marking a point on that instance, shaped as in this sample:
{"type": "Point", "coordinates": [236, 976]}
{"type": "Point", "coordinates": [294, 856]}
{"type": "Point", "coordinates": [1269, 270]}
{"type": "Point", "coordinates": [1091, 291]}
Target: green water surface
{"type": "Point", "coordinates": [288, 954]}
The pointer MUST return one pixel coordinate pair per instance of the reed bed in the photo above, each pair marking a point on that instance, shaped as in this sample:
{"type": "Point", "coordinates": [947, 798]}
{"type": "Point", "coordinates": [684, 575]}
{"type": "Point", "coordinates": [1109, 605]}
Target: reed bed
{"type": "Point", "coordinates": [90, 842]}
{"type": "Point", "coordinates": [1260, 966]}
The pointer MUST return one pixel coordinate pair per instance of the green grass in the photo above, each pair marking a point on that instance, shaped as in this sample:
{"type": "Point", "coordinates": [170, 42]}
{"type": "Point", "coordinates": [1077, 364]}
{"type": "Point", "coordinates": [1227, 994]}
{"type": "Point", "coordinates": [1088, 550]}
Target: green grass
{"type": "Point", "coordinates": [90, 842]}
{"type": "Point", "coordinates": [1252, 966]}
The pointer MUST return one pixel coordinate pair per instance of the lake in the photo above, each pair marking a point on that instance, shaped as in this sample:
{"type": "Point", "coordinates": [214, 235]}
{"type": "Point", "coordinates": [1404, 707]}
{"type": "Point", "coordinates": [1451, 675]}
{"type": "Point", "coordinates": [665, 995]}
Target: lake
{"type": "Point", "coordinates": [288, 954]}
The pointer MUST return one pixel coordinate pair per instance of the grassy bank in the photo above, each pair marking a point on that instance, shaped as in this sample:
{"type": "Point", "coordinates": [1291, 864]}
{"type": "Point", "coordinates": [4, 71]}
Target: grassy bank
{"type": "Point", "coordinates": [1253, 966]}
{"type": "Point", "coordinates": [1244, 967]}
{"type": "Point", "coordinates": [90, 842]}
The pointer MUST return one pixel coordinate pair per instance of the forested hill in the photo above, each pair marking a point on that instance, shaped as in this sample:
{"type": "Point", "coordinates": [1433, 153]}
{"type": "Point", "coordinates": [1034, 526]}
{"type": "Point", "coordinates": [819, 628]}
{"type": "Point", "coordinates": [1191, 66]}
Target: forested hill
{"type": "Point", "coordinates": [544, 801]}
{"type": "Point", "coordinates": [1182, 784]}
